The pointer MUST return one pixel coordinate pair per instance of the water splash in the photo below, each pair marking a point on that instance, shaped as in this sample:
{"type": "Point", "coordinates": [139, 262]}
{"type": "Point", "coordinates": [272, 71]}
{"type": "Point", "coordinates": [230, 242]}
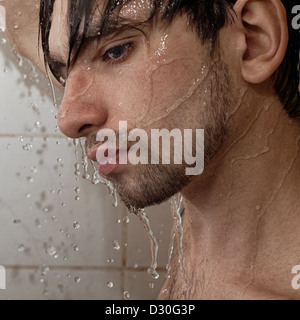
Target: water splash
{"type": "Point", "coordinates": [126, 295]}
{"type": "Point", "coordinates": [116, 245]}
{"type": "Point", "coordinates": [177, 208]}
{"type": "Point", "coordinates": [84, 161]}
{"type": "Point", "coordinates": [95, 178]}
{"type": "Point", "coordinates": [141, 214]}
{"type": "Point", "coordinates": [52, 87]}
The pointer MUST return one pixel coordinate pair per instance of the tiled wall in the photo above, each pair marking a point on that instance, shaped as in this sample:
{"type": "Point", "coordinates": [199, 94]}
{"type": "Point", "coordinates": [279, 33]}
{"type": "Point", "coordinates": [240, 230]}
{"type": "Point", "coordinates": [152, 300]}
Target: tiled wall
{"type": "Point", "coordinates": [45, 254]}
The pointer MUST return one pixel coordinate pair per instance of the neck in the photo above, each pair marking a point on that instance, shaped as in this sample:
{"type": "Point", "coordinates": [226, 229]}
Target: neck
{"type": "Point", "coordinates": [243, 212]}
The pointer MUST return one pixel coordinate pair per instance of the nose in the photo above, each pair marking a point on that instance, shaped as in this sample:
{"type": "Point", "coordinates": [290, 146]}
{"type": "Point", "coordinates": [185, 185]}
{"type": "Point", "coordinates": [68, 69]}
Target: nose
{"type": "Point", "coordinates": [82, 111]}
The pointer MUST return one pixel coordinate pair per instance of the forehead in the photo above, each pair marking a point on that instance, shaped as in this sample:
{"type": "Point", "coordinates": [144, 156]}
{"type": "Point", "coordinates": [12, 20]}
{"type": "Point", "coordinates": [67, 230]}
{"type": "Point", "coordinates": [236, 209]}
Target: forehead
{"type": "Point", "coordinates": [133, 11]}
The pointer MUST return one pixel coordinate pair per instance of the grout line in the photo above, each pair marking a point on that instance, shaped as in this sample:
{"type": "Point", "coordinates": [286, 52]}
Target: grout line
{"type": "Point", "coordinates": [87, 268]}
{"type": "Point", "coordinates": [27, 136]}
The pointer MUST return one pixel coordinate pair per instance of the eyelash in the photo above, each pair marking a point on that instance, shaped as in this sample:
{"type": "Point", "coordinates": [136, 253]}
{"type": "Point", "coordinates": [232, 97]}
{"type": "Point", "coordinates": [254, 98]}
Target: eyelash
{"type": "Point", "coordinates": [128, 47]}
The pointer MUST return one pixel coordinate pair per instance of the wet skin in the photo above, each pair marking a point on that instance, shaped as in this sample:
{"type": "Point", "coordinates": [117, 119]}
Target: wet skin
{"type": "Point", "coordinates": [243, 213]}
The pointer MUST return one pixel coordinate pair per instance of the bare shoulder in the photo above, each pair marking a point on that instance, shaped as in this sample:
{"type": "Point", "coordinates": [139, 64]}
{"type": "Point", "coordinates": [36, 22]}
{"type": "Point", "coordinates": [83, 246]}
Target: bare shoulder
{"type": "Point", "coordinates": [22, 27]}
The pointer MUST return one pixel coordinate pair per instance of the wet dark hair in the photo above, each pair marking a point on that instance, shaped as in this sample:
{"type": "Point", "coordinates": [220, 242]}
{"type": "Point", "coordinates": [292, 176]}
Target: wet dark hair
{"type": "Point", "coordinates": [206, 16]}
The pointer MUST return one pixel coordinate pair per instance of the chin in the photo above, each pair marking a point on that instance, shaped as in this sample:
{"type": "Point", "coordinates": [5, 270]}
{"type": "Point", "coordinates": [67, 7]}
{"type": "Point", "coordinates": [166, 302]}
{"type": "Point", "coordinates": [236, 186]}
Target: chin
{"type": "Point", "coordinates": [142, 186]}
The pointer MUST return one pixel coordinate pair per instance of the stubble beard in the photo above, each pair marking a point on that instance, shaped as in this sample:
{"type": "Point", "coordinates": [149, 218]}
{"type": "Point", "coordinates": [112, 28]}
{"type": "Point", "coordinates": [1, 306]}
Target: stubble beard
{"type": "Point", "coordinates": [144, 185]}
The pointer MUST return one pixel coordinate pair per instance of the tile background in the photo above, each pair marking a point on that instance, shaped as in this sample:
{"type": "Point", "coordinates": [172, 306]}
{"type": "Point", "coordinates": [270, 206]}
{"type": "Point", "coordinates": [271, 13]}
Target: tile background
{"type": "Point", "coordinates": [44, 255]}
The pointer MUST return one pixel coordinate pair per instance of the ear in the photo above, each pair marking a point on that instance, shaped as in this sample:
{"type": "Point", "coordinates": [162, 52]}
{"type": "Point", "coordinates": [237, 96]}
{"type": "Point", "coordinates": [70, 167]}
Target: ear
{"type": "Point", "coordinates": [266, 34]}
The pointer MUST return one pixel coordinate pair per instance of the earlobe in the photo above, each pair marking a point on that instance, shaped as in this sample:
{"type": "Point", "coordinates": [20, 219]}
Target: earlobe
{"type": "Point", "coordinates": [266, 34]}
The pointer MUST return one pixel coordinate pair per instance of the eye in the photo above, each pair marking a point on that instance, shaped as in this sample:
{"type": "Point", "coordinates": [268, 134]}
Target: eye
{"type": "Point", "coordinates": [117, 54]}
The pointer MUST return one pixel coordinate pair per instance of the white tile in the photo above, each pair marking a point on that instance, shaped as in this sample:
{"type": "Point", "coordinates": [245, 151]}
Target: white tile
{"type": "Point", "coordinates": [41, 284]}
{"type": "Point", "coordinates": [26, 98]}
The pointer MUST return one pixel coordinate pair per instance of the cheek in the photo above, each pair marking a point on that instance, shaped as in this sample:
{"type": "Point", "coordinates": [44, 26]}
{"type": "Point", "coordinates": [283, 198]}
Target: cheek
{"type": "Point", "coordinates": [172, 85]}
{"type": "Point", "coordinates": [149, 93]}
{"type": "Point", "coordinates": [127, 91]}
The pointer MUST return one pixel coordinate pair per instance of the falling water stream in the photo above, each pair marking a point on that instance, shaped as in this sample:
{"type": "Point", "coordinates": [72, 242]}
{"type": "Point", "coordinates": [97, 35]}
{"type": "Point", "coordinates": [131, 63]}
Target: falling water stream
{"type": "Point", "coordinates": [177, 208]}
{"type": "Point", "coordinates": [141, 214]}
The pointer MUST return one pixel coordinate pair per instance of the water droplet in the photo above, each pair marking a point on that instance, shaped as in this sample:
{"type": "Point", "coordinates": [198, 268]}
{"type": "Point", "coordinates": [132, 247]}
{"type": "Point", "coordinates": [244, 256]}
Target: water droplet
{"type": "Point", "coordinates": [34, 169]}
{"type": "Point", "coordinates": [77, 198]}
{"type": "Point", "coordinates": [38, 124]}
{"type": "Point", "coordinates": [126, 219]}
{"type": "Point", "coordinates": [153, 273]}
{"type": "Point", "coordinates": [76, 225]}
{"type": "Point", "coordinates": [63, 204]}
{"type": "Point", "coordinates": [77, 279]}
{"type": "Point", "coordinates": [21, 248]}
{"type": "Point", "coordinates": [116, 245]}
{"type": "Point", "coordinates": [58, 159]}
{"type": "Point", "coordinates": [3, 41]}
{"type": "Point", "coordinates": [118, 221]}
{"type": "Point", "coordinates": [75, 248]}
{"type": "Point", "coordinates": [126, 295]}
{"type": "Point", "coordinates": [29, 179]}
{"type": "Point", "coordinates": [77, 189]}
{"type": "Point", "coordinates": [86, 176]}
{"type": "Point", "coordinates": [77, 169]}
{"type": "Point", "coordinates": [44, 271]}
{"type": "Point", "coordinates": [21, 139]}
{"type": "Point", "coordinates": [110, 284]}
{"type": "Point", "coordinates": [27, 147]}
{"type": "Point", "coordinates": [151, 285]}
{"type": "Point", "coordinates": [110, 260]}
{"type": "Point", "coordinates": [51, 251]}
{"type": "Point", "coordinates": [77, 173]}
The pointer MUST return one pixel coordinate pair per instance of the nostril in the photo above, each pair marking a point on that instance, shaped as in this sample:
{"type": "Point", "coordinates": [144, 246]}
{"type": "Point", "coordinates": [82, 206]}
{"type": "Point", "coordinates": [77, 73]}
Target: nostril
{"type": "Point", "coordinates": [84, 127]}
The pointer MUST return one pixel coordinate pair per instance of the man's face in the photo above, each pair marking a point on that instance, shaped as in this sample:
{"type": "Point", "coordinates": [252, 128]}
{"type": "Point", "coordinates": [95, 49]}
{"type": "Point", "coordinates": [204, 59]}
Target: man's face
{"type": "Point", "coordinates": [153, 77]}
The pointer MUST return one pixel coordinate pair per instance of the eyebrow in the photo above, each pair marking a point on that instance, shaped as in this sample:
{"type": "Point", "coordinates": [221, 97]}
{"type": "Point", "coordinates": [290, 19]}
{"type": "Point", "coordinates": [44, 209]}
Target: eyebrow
{"type": "Point", "coordinates": [95, 31]}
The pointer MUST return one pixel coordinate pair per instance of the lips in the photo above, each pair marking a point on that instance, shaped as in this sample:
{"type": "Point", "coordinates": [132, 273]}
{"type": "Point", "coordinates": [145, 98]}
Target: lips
{"type": "Point", "coordinates": [109, 165]}
{"type": "Point", "coordinates": [107, 168]}
{"type": "Point", "coordinates": [92, 155]}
